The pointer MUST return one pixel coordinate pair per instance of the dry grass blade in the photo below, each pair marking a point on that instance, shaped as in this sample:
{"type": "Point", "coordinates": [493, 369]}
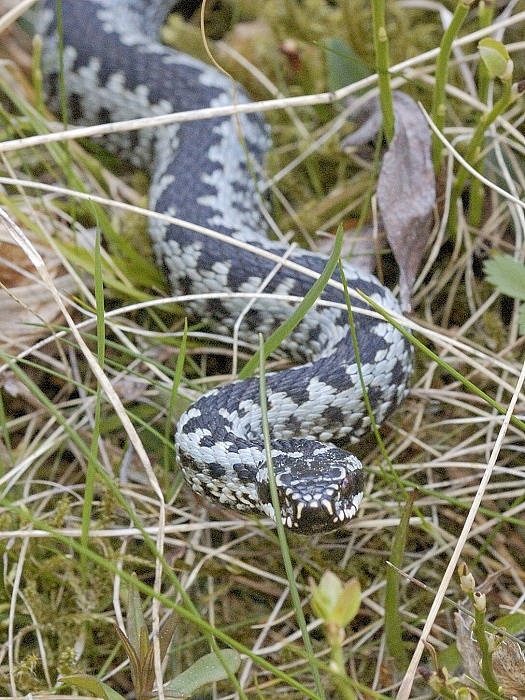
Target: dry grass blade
{"type": "Point", "coordinates": [262, 106]}
{"type": "Point", "coordinates": [467, 166]}
{"type": "Point", "coordinates": [14, 13]}
{"type": "Point", "coordinates": [20, 238]}
{"type": "Point", "coordinates": [406, 685]}
{"type": "Point", "coordinates": [27, 309]}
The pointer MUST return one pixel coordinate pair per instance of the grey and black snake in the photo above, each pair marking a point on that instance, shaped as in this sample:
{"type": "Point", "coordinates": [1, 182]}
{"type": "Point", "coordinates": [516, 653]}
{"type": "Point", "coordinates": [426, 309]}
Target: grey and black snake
{"type": "Point", "coordinates": [115, 68]}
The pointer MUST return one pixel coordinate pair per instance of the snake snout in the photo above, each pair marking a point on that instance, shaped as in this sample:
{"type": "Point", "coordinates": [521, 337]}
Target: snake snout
{"type": "Point", "coordinates": [319, 488]}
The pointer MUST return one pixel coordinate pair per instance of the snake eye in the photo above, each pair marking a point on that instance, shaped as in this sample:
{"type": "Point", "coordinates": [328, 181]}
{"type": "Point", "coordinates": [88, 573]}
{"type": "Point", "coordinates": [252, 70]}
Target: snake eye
{"type": "Point", "coordinates": [352, 485]}
{"type": "Point", "coordinates": [263, 491]}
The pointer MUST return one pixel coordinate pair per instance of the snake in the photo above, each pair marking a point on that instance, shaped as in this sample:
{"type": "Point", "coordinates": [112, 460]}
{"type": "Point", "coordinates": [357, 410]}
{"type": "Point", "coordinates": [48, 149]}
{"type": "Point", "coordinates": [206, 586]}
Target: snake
{"type": "Point", "coordinates": [206, 172]}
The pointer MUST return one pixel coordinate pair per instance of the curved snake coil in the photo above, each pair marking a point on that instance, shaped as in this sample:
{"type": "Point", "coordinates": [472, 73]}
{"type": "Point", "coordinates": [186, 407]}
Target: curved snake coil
{"type": "Point", "coordinates": [114, 69]}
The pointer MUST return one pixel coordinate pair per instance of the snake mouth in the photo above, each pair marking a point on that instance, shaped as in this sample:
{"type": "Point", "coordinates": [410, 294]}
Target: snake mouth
{"type": "Point", "coordinates": [325, 506]}
{"type": "Point", "coordinates": [309, 516]}
{"type": "Point", "coordinates": [314, 496]}
{"type": "Point", "coordinates": [314, 517]}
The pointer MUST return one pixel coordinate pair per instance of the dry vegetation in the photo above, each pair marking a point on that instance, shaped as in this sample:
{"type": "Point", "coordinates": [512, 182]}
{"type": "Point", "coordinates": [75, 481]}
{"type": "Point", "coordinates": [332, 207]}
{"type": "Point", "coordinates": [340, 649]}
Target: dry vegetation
{"type": "Point", "coordinates": [65, 432]}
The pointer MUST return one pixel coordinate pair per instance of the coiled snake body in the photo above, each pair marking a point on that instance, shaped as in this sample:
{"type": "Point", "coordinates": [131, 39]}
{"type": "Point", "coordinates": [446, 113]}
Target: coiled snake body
{"type": "Point", "coordinates": [115, 68]}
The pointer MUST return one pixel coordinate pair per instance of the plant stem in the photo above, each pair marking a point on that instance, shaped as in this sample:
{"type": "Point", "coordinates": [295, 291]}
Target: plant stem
{"type": "Point", "coordinates": [438, 98]}
{"type": "Point", "coordinates": [474, 150]}
{"type": "Point", "coordinates": [382, 66]}
{"type": "Point", "coordinates": [487, 670]}
{"type": "Point", "coordinates": [485, 13]}
{"type": "Point", "coordinates": [92, 462]}
{"type": "Point", "coordinates": [337, 663]}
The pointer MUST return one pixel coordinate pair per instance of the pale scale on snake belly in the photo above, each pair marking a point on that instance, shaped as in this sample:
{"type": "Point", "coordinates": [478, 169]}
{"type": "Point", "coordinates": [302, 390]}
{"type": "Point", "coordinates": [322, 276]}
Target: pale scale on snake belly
{"type": "Point", "coordinates": [115, 68]}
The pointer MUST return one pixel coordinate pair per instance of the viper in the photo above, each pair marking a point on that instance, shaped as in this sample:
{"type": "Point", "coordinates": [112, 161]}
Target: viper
{"type": "Point", "coordinates": [206, 172]}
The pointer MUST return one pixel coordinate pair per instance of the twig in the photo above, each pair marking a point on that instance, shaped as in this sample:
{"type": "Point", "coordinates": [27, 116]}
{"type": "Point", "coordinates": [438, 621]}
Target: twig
{"type": "Point", "coordinates": [250, 107]}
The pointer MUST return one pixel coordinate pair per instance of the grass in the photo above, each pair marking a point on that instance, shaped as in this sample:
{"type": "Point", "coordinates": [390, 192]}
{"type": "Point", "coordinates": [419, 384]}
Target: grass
{"type": "Point", "coordinates": [88, 490]}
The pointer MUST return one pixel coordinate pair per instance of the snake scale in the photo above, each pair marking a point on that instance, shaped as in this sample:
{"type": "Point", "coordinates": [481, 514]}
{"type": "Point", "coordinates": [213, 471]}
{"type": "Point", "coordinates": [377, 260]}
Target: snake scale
{"type": "Point", "coordinates": [115, 68]}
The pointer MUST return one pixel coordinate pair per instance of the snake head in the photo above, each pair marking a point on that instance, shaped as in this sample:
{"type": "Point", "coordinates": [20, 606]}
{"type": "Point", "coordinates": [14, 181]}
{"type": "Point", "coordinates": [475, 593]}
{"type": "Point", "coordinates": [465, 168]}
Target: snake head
{"type": "Point", "coordinates": [319, 487]}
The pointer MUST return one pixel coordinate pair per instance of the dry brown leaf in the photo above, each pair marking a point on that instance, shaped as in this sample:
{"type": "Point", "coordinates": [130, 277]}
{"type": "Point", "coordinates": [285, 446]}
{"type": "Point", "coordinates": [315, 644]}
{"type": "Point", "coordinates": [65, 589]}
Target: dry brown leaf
{"type": "Point", "coordinates": [26, 307]}
{"type": "Point", "coordinates": [508, 660]}
{"type": "Point", "coordinates": [406, 188]}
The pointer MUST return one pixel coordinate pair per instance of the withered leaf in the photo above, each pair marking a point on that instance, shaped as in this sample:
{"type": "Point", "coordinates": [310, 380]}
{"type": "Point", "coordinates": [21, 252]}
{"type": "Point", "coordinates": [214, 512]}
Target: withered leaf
{"type": "Point", "coordinates": [406, 188]}
{"type": "Point", "coordinates": [508, 660]}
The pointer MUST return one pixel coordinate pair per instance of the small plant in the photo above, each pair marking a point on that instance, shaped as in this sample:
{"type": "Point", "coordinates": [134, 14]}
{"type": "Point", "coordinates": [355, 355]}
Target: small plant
{"type": "Point", "coordinates": [486, 641]}
{"type": "Point", "coordinates": [451, 687]}
{"type": "Point", "coordinates": [491, 657]}
{"type": "Point", "coordinates": [337, 605]}
{"type": "Point", "coordinates": [508, 276]}
{"type": "Point", "coordinates": [475, 645]}
{"type": "Point", "coordinates": [497, 65]}
{"type": "Point", "coordinates": [140, 652]}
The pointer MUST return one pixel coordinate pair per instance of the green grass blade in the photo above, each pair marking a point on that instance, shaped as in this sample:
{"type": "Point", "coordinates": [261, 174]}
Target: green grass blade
{"type": "Point", "coordinates": [61, 72]}
{"type": "Point", "coordinates": [91, 468]}
{"type": "Point", "coordinates": [285, 551]}
{"type": "Point", "coordinates": [291, 322]}
{"type": "Point", "coordinates": [168, 431]}
{"type": "Point", "coordinates": [6, 437]}
{"type": "Point", "coordinates": [366, 398]}
{"type": "Point", "coordinates": [393, 636]}
{"type": "Point", "coordinates": [382, 61]}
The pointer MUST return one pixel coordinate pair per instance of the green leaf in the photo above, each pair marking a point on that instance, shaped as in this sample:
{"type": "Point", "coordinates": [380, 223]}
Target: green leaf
{"type": "Point", "coordinates": [134, 618]}
{"type": "Point", "coordinates": [311, 296]}
{"type": "Point", "coordinates": [326, 595]}
{"type": "Point", "coordinates": [147, 671]}
{"type": "Point", "coordinates": [393, 619]}
{"type": "Point", "coordinates": [208, 669]}
{"type": "Point", "coordinates": [143, 643]}
{"type": "Point", "coordinates": [166, 634]}
{"type": "Point", "coordinates": [514, 623]}
{"type": "Point", "coordinates": [92, 685]}
{"type": "Point", "coordinates": [521, 317]}
{"type": "Point", "coordinates": [507, 275]}
{"type": "Point", "coordinates": [496, 59]}
{"type": "Point", "coordinates": [132, 655]}
{"type": "Point", "coordinates": [148, 650]}
{"type": "Point", "coordinates": [343, 65]}
{"type": "Point", "coordinates": [347, 604]}
{"type": "Point", "coordinates": [450, 658]}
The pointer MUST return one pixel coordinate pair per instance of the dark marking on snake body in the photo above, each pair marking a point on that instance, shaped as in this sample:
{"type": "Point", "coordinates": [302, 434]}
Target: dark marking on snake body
{"type": "Point", "coordinates": [116, 69]}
